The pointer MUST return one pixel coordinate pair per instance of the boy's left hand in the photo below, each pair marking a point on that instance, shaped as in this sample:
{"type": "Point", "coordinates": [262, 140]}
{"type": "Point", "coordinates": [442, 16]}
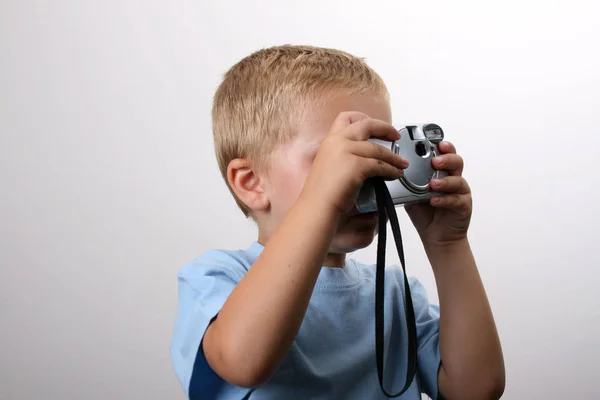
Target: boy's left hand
{"type": "Point", "coordinates": [445, 218]}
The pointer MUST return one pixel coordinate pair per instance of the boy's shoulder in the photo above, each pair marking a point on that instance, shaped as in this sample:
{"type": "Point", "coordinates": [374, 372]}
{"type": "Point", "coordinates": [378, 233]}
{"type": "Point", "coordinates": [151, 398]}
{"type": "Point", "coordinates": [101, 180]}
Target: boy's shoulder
{"type": "Point", "coordinates": [232, 263]}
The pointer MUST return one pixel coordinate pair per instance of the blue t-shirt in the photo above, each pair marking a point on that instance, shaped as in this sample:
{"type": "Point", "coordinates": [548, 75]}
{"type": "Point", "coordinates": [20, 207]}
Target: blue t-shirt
{"type": "Point", "coordinates": [333, 354]}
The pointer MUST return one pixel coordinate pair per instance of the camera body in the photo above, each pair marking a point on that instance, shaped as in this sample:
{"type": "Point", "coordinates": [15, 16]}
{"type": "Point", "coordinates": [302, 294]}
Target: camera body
{"type": "Point", "coordinates": [419, 145]}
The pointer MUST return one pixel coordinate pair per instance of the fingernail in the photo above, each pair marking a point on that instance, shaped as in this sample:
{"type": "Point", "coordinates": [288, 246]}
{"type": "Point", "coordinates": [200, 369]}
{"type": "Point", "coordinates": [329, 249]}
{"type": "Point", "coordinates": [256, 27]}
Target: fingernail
{"type": "Point", "coordinates": [436, 182]}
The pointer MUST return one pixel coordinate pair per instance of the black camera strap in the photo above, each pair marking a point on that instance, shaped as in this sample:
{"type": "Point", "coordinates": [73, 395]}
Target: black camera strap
{"type": "Point", "coordinates": [385, 206]}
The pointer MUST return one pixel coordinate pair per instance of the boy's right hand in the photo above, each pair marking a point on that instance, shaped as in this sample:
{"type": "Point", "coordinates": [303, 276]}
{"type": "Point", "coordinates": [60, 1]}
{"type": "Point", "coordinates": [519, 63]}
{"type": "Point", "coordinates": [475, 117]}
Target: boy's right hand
{"type": "Point", "coordinates": [345, 159]}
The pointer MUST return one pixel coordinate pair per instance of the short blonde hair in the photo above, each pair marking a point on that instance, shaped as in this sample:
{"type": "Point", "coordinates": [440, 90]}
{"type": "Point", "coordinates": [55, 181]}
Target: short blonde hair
{"type": "Point", "coordinates": [264, 97]}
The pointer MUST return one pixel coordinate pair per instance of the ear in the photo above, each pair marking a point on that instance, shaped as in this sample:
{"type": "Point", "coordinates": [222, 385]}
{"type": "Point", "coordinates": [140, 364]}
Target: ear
{"type": "Point", "coordinates": [247, 185]}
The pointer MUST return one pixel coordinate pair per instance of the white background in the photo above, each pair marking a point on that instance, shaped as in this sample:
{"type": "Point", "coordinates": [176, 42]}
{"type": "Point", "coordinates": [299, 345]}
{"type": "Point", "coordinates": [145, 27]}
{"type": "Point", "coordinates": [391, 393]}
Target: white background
{"type": "Point", "coordinates": [110, 184]}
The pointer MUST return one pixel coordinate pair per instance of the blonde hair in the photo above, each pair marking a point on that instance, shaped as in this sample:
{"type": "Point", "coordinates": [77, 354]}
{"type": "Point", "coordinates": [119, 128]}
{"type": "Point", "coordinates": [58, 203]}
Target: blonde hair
{"type": "Point", "coordinates": [264, 97]}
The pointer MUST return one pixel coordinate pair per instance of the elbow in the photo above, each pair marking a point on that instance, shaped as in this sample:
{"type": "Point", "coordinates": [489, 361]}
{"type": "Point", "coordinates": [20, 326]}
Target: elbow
{"type": "Point", "coordinates": [246, 377]}
{"type": "Point", "coordinates": [490, 387]}
{"type": "Point", "coordinates": [493, 389]}
{"type": "Point", "coordinates": [480, 391]}
{"type": "Point", "coordinates": [240, 367]}
{"type": "Point", "coordinates": [497, 386]}
{"type": "Point", "coordinates": [496, 383]}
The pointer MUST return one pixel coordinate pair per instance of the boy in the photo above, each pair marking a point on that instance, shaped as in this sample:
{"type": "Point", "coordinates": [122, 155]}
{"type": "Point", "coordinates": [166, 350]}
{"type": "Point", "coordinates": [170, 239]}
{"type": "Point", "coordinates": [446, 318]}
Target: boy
{"type": "Point", "coordinates": [289, 316]}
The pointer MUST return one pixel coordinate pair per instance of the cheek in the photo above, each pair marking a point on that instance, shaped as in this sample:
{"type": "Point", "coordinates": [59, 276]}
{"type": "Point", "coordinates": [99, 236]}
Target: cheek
{"type": "Point", "coordinates": [290, 186]}
{"type": "Point", "coordinates": [287, 184]}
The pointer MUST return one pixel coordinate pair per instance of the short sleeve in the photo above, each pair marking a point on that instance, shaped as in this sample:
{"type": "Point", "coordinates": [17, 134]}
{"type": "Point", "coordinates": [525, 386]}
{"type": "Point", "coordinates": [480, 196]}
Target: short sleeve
{"type": "Point", "coordinates": [203, 288]}
{"type": "Point", "coordinates": [427, 318]}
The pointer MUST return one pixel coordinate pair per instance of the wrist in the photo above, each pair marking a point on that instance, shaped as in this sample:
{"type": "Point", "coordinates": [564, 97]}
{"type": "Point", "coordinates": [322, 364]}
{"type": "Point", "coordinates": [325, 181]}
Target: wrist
{"type": "Point", "coordinates": [445, 246]}
{"type": "Point", "coordinates": [314, 206]}
{"type": "Point", "coordinates": [446, 254]}
{"type": "Point", "coordinates": [315, 215]}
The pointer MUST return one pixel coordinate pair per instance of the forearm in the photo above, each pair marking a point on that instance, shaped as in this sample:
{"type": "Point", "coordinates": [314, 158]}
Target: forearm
{"type": "Point", "coordinates": [260, 319]}
{"type": "Point", "coordinates": [472, 360]}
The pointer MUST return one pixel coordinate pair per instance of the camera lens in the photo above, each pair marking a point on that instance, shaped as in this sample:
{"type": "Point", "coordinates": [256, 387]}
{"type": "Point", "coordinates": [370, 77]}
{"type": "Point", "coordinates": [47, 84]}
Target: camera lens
{"type": "Point", "coordinates": [421, 150]}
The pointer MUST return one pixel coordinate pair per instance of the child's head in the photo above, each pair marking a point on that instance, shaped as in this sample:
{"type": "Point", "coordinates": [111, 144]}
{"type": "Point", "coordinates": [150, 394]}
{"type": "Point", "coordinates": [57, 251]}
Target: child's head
{"type": "Point", "coordinates": [272, 110]}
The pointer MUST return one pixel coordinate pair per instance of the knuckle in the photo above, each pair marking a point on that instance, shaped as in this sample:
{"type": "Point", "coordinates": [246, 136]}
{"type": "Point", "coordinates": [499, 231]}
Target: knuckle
{"type": "Point", "coordinates": [371, 124]}
{"type": "Point", "coordinates": [364, 124]}
{"type": "Point", "coordinates": [343, 116]}
{"type": "Point", "coordinates": [354, 114]}
{"type": "Point", "coordinates": [385, 169]}
{"type": "Point", "coordinates": [346, 118]}
{"type": "Point", "coordinates": [356, 117]}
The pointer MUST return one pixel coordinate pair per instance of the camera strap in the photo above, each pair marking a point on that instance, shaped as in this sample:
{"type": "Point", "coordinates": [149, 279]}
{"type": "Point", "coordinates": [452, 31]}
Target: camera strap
{"type": "Point", "coordinates": [385, 206]}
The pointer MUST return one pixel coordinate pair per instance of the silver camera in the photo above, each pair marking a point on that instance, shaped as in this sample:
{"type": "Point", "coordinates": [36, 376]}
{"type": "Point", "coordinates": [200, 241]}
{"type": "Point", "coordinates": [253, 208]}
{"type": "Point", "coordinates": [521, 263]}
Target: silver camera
{"type": "Point", "coordinates": [419, 145]}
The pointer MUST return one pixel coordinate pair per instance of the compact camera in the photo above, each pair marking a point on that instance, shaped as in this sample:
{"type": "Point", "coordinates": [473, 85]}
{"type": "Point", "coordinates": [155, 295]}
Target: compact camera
{"type": "Point", "coordinates": [419, 145]}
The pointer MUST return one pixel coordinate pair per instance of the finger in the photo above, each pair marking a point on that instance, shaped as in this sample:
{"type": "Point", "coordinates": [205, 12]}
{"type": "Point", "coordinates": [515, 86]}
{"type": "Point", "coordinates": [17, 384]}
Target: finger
{"type": "Point", "coordinates": [372, 167]}
{"type": "Point", "coordinates": [368, 128]}
{"type": "Point", "coordinates": [373, 150]}
{"type": "Point", "coordinates": [447, 147]}
{"type": "Point", "coordinates": [455, 202]}
{"type": "Point", "coordinates": [453, 163]}
{"type": "Point", "coordinates": [347, 118]}
{"type": "Point", "coordinates": [451, 184]}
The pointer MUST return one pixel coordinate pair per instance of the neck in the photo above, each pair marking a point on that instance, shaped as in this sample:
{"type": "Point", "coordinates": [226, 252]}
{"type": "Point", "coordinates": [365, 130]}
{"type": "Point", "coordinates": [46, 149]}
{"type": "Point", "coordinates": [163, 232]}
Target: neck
{"type": "Point", "coordinates": [334, 260]}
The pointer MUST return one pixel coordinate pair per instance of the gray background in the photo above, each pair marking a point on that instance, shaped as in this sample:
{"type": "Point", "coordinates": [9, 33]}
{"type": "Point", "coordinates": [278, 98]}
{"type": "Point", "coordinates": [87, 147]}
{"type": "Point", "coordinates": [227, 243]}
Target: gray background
{"type": "Point", "coordinates": [109, 181]}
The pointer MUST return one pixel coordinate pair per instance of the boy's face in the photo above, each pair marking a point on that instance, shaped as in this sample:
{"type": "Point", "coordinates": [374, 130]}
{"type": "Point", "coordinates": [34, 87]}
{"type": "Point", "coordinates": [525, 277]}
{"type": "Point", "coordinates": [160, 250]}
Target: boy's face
{"type": "Point", "coordinates": [291, 163]}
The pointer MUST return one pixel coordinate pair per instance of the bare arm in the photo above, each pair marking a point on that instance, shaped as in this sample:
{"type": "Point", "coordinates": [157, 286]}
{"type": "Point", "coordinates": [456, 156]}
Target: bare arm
{"type": "Point", "coordinates": [261, 317]}
{"type": "Point", "coordinates": [472, 361]}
